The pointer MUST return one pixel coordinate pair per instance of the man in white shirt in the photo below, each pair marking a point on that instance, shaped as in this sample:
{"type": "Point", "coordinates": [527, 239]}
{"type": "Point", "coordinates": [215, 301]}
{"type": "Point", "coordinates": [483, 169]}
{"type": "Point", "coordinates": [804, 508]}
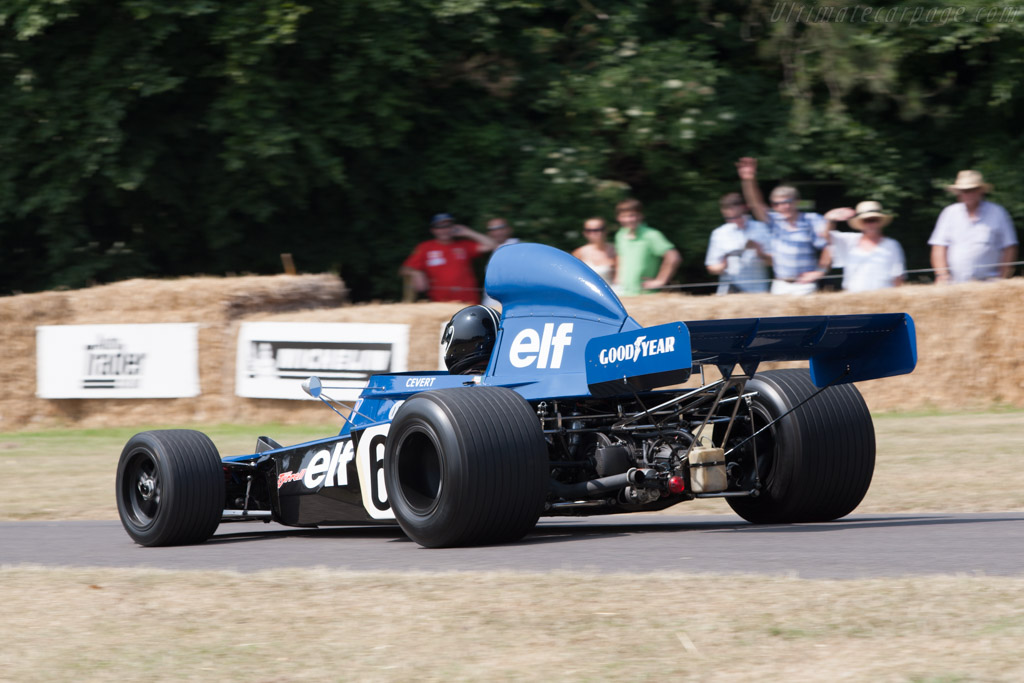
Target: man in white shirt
{"type": "Point", "coordinates": [973, 239]}
{"type": "Point", "coordinates": [737, 251]}
{"type": "Point", "coordinates": [868, 259]}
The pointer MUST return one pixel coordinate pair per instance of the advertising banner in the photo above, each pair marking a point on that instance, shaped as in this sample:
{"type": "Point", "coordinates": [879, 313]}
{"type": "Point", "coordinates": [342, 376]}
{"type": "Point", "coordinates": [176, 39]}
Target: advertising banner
{"type": "Point", "coordinates": [117, 361]}
{"type": "Point", "coordinates": [274, 358]}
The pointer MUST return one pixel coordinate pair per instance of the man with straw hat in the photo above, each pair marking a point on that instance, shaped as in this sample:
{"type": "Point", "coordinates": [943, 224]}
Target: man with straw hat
{"type": "Point", "coordinates": [868, 259]}
{"type": "Point", "coordinates": [973, 239]}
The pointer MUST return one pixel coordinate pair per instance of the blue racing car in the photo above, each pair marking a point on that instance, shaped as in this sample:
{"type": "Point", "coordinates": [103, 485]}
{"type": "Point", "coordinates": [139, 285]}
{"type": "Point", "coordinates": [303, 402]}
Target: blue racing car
{"type": "Point", "coordinates": [561, 405]}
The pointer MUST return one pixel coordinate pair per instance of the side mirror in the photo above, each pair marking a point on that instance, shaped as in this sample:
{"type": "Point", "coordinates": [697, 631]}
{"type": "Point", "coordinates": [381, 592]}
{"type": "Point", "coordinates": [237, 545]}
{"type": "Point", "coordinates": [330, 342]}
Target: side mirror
{"type": "Point", "coordinates": [313, 386]}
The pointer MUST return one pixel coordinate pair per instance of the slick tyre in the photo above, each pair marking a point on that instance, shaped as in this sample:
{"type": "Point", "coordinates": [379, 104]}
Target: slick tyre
{"type": "Point", "coordinates": [816, 463]}
{"type": "Point", "coordinates": [466, 466]}
{"type": "Point", "coordinates": [170, 488]}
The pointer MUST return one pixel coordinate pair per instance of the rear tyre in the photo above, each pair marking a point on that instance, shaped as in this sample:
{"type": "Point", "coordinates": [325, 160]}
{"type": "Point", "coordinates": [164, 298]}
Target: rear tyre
{"type": "Point", "coordinates": [466, 466]}
{"type": "Point", "coordinates": [816, 463]}
{"type": "Point", "coordinates": [170, 488]}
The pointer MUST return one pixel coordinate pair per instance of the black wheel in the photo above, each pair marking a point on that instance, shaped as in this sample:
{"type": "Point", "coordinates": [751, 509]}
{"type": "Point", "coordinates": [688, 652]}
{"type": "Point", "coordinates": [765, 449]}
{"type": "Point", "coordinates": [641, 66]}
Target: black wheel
{"type": "Point", "coordinates": [170, 487]}
{"type": "Point", "coordinates": [466, 466]}
{"type": "Point", "coordinates": [816, 463]}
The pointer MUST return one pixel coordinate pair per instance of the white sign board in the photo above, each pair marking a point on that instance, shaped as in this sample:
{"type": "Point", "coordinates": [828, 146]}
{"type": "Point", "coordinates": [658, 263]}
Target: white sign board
{"type": "Point", "coordinates": [274, 358]}
{"type": "Point", "coordinates": [117, 361]}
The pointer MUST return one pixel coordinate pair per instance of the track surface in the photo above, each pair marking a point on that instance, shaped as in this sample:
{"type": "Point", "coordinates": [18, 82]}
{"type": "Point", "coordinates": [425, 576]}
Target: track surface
{"type": "Point", "coordinates": [855, 547]}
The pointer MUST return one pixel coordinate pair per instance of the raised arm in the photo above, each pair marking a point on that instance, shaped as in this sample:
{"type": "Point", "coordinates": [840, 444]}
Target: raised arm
{"type": "Point", "coordinates": [485, 242]}
{"type": "Point", "coordinates": [746, 168]}
{"type": "Point", "coordinates": [834, 216]}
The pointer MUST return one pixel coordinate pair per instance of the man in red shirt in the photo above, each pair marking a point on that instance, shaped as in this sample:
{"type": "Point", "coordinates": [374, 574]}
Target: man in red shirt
{"type": "Point", "coordinates": [442, 267]}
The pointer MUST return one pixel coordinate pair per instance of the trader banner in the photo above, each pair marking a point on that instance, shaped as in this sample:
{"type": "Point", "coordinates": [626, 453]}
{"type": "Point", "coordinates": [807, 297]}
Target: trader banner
{"type": "Point", "coordinates": [117, 361]}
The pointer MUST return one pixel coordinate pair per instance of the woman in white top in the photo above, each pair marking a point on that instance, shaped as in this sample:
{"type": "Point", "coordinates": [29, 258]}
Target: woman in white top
{"type": "Point", "coordinates": [598, 252]}
{"type": "Point", "coordinates": [868, 259]}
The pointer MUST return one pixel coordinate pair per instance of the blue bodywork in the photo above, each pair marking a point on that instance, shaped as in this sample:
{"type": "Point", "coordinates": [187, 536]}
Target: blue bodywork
{"type": "Point", "coordinates": [564, 334]}
{"type": "Point", "coordinates": [558, 316]}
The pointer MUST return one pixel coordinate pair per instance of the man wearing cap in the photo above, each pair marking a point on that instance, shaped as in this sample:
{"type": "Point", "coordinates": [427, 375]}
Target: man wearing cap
{"type": "Point", "coordinates": [868, 259]}
{"type": "Point", "coordinates": [442, 266]}
{"type": "Point", "coordinates": [973, 239]}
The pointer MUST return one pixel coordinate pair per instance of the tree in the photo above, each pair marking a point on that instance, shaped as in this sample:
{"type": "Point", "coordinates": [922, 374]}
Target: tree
{"type": "Point", "coordinates": [153, 139]}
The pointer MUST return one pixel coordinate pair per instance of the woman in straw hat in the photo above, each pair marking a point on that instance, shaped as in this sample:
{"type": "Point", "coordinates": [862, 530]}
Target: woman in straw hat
{"type": "Point", "coordinates": [869, 260]}
{"type": "Point", "coordinates": [973, 239]}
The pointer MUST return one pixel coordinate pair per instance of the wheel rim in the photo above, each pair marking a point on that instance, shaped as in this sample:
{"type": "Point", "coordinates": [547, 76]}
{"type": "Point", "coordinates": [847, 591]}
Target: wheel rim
{"type": "Point", "coordinates": [141, 489]}
{"type": "Point", "coordinates": [419, 471]}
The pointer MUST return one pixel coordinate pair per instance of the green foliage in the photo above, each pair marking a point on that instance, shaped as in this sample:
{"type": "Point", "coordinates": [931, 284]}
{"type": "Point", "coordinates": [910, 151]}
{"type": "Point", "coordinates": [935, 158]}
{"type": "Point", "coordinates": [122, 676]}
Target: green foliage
{"type": "Point", "coordinates": [142, 138]}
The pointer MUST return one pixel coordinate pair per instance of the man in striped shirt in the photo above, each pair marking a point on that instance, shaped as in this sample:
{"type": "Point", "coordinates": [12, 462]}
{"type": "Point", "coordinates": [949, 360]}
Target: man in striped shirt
{"type": "Point", "coordinates": [798, 240]}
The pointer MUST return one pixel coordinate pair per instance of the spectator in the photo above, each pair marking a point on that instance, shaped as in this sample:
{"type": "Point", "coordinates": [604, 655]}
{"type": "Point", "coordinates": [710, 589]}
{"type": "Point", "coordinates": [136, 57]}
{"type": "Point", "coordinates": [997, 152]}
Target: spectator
{"type": "Point", "coordinates": [500, 231]}
{"type": "Point", "coordinates": [798, 238]}
{"type": "Point", "coordinates": [598, 253]}
{"type": "Point", "coordinates": [646, 259]}
{"type": "Point", "coordinates": [973, 239]}
{"type": "Point", "coordinates": [442, 266]}
{"type": "Point", "coordinates": [737, 249]}
{"type": "Point", "coordinates": [868, 259]}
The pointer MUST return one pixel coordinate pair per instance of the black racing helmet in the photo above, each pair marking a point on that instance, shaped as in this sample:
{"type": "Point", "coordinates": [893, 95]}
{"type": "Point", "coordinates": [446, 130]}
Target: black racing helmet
{"type": "Point", "coordinates": [468, 340]}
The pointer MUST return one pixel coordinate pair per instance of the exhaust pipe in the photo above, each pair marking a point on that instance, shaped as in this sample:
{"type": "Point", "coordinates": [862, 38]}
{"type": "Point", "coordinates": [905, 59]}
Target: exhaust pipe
{"type": "Point", "coordinates": [601, 486]}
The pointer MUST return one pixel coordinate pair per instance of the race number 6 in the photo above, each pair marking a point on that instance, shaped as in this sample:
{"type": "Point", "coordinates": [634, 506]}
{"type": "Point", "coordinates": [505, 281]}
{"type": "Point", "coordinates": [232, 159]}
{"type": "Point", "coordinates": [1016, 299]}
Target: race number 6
{"type": "Point", "coordinates": [370, 466]}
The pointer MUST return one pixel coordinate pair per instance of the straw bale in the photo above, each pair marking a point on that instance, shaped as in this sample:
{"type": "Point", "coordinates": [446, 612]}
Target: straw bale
{"type": "Point", "coordinates": [968, 341]}
{"type": "Point", "coordinates": [211, 302]}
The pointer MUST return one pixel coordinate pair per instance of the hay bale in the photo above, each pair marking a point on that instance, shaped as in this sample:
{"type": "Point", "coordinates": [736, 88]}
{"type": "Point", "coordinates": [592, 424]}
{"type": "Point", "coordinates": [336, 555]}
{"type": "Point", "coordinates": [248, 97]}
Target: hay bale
{"type": "Point", "coordinates": [214, 303]}
{"type": "Point", "coordinates": [967, 341]}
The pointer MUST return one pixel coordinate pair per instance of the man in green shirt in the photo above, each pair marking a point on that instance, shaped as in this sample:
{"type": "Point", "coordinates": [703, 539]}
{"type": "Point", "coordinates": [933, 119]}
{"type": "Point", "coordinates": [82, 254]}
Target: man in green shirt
{"type": "Point", "coordinates": [646, 259]}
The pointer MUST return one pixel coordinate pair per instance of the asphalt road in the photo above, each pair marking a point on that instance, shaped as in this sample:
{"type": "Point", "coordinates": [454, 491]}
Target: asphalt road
{"type": "Point", "coordinates": [858, 546]}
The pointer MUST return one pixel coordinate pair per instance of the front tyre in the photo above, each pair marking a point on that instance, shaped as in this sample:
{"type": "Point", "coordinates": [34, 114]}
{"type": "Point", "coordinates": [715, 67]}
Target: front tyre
{"type": "Point", "coordinates": [466, 466]}
{"type": "Point", "coordinates": [816, 463]}
{"type": "Point", "coordinates": [170, 487]}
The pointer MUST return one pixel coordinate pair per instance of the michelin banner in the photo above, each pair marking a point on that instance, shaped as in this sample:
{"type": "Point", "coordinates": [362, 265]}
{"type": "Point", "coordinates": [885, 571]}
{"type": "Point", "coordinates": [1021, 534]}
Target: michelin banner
{"type": "Point", "coordinates": [274, 358]}
{"type": "Point", "coordinates": [117, 361]}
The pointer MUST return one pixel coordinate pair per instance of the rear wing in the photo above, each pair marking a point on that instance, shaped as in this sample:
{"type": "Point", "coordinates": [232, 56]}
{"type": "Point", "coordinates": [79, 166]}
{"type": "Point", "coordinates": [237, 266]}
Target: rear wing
{"type": "Point", "coordinates": [840, 348]}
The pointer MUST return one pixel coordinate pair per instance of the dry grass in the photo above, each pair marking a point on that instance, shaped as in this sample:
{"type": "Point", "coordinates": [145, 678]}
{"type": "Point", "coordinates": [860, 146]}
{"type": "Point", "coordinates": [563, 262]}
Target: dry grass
{"type": "Point", "coordinates": [948, 463]}
{"type": "Point", "coordinates": [929, 463]}
{"type": "Point", "coordinates": [69, 475]}
{"type": "Point", "coordinates": [316, 624]}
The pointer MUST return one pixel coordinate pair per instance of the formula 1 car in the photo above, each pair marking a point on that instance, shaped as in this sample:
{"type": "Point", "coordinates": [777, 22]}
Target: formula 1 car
{"type": "Point", "coordinates": [557, 407]}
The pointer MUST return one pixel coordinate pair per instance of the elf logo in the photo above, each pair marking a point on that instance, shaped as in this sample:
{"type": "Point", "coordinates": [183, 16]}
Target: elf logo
{"type": "Point", "coordinates": [328, 467]}
{"type": "Point", "coordinates": [541, 348]}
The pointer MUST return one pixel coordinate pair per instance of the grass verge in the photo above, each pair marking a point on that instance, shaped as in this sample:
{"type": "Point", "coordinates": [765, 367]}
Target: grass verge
{"type": "Point", "coordinates": [926, 463]}
{"type": "Point", "coordinates": [317, 624]}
